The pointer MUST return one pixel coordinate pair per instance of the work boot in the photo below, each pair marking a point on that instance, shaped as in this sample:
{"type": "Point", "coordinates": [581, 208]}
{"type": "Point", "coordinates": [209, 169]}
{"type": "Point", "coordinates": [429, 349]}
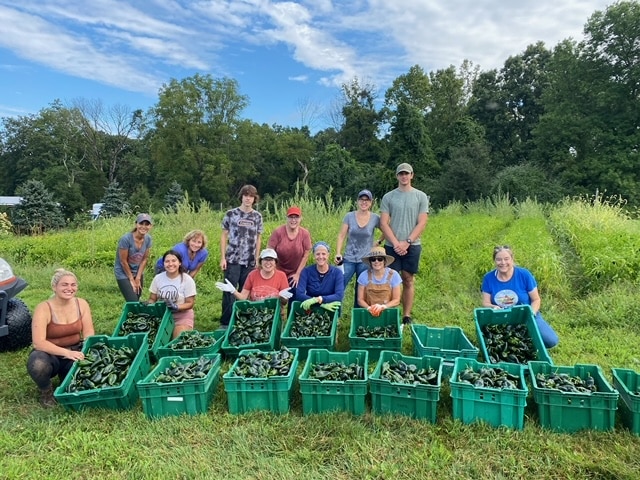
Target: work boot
{"type": "Point", "coordinates": [47, 399]}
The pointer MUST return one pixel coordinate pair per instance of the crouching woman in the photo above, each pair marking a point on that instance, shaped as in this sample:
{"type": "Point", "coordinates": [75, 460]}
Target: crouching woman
{"type": "Point", "coordinates": [58, 329]}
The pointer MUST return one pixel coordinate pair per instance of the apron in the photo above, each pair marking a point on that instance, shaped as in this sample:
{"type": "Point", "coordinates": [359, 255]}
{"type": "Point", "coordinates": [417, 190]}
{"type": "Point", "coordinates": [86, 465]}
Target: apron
{"type": "Point", "coordinates": [380, 294]}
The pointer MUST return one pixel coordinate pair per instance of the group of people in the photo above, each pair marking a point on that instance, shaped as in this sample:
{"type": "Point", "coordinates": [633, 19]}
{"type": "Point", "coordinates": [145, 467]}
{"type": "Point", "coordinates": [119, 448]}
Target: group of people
{"type": "Point", "coordinates": [384, 275]}
{"type": "Point", "coordinates": [385, 270]}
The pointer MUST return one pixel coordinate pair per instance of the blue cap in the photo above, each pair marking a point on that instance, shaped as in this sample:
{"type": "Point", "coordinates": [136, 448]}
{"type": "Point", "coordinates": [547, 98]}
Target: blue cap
{"type": "Point", "coordinates": [365, 193]}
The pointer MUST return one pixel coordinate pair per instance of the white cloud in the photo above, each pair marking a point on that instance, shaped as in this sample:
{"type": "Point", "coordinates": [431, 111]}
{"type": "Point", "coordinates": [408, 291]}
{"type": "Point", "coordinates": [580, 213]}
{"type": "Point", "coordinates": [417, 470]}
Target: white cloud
{"type": "Point", "coordinates": [132, 45]}
{"type": "Point", "coordinates": [46, 44]}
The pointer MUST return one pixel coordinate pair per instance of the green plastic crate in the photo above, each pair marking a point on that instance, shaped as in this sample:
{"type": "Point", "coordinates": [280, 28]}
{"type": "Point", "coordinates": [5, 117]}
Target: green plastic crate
{"type": "Point", "coordinates": [417, 401]}
{"type": "Point", "coordinates": [165, 328]}
{"type": "Point", "coordinates": [188, 397]}
{"type": "Point", "coordinates": [510, 316]}
{"type": "Point", "coordinates": [448, 343]}
{"type": "Point", "coordinates": [304, 344]}
{"type": "Point", "coordinates": [249, 394]}
{"type": "Point", "coordinates": [497, 407]}
{"type": "Point", "coordinates": [167, 351]}
{"type": "Point", "coordinates": [326, 396]}
{"type": "Point", "coordinates": [626, 381]}
{"type": "Point", "coordinates": [231, 351]}
{"type": "Point", "coordinates": [123, 396]}
{"type": "Point", "coordinates": [361, 316]}
{"type": "Point", "coordinates": [570, 412]}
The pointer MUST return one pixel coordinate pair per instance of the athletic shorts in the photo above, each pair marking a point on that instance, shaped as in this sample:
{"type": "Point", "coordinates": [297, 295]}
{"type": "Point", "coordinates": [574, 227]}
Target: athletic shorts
{"type": "Point", "coordinates": [409, 262]}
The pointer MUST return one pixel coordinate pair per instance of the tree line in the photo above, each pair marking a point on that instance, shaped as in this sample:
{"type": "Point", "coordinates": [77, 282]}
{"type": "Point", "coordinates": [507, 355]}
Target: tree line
{"type": "Point", "coordinates": [550, 122]}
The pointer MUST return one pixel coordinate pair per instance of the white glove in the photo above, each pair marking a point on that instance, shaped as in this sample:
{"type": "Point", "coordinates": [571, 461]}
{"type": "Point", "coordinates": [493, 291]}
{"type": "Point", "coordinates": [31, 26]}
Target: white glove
{"type": "Point", "coordinates": [286, 293]}
{"type": "Point", "coordinates": [227, 286]}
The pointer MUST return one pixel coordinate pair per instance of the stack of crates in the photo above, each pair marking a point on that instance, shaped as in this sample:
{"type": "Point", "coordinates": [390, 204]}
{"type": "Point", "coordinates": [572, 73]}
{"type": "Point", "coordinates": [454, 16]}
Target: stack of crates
{"type": "Point", "coordinates": [158, 310]}
{"type": "Point", "coordinates": [362, 317]}
{"type": "Point", "coordinates": [190, 397]}
{"type": "Point", "coordinates": [418, 401]}
{"type": "Point", "coordinates": [272, 304]}
{"type": "Point", "coordinates": [448, 343]}
{"type": "Point", "coordinates": [570, 411]}
{"type": "Point", "coordinates": [304, 344]}
{"type": "Point", "coordinates": [246, 394]}
{"type": "Point", "coordinates": [497, 407]}
{"type": "Point", "coordinates": [325, 396]}
{"type": "Point", "coordinates": [122, 396]}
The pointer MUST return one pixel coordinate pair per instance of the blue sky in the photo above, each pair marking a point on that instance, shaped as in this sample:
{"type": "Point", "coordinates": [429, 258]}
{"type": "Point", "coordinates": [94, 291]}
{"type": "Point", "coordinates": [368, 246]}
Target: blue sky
{"type": "Point", "coordinates": [288, 57]}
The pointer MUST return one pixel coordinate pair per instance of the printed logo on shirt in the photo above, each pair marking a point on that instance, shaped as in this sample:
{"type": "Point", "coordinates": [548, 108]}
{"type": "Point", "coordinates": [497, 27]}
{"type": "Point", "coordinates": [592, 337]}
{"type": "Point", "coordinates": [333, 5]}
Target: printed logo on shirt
{"type": "Point", "coordinates": [243, 222]}
{"type": "Point", "coordinates": [168, 292]}
{"type": "Point", "coordinates": [506, 298]}
{"type": "Point", "coordinates": [262, 292]}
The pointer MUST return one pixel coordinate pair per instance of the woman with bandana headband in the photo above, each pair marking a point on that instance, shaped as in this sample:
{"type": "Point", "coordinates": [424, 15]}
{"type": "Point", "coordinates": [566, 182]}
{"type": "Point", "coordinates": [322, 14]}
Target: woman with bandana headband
{"type": "Point", "coordinates": [321, 283]}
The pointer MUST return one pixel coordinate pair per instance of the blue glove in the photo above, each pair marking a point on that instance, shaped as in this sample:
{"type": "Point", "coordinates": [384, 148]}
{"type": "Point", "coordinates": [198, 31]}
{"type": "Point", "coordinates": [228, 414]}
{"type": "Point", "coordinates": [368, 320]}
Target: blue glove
{"type": "Point", "coordinates": [331, 306]}
{"type": "Point", "coordinates": [306, 305]}
{"type": "Point", "coordinates": [172, 306]}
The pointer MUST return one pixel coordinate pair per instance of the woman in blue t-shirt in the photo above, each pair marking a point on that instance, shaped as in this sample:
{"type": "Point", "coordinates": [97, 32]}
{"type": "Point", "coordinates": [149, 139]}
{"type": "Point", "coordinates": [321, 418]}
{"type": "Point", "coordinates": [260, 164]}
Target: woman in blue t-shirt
{"type": "Point", "coordinates": [193, 251]}
{"type": "Point", "coordinates": [510, 285]}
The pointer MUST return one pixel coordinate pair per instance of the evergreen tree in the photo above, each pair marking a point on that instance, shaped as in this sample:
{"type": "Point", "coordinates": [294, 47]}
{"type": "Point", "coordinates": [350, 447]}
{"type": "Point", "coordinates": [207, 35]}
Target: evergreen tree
{"type": "Point", "coordinates": [114, 201]}
{"type": "Point", "coordinates": [37, 212]}
{"type": "Point", "coordinates": [173, 197]}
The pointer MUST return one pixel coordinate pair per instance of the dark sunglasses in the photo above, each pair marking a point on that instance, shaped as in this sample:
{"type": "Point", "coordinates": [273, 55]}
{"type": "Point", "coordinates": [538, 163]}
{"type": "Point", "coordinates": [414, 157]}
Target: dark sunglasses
{"type": "Point", "coordinates": [497, 248]}
{"type": "Point", "coordinates": [377, 259]}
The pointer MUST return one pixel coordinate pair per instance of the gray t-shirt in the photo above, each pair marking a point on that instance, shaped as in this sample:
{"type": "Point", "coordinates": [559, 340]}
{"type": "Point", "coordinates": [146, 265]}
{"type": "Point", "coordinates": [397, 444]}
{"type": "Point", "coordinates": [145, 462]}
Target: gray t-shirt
{"type": "Point", "coordinates": [134, 256]}
{"type": "Point", "coordinates": [403, 209]}
{"type": "Point", "coordinates": [359, 239]}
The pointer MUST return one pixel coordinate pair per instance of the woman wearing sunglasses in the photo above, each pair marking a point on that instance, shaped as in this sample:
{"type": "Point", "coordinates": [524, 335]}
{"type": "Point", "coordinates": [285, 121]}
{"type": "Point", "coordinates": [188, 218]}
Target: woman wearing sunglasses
{"type": "Point", "coordinates": [508, 285]}
{"type": "Point", "coordinates": [379, 285]}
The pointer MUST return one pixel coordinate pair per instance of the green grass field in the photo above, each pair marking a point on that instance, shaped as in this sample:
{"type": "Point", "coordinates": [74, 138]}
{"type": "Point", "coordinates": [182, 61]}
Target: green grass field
{"type": "Point", "coordinates": [585, 255]}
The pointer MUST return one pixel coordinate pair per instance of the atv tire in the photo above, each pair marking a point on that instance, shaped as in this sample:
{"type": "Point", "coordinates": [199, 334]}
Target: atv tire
{"type": "Point", "coordinates": [18, 320]}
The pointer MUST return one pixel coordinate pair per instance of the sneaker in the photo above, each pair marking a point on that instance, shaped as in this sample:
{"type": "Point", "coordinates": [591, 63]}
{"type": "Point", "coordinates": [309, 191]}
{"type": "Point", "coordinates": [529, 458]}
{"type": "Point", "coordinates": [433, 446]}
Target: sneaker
{"type": "Point", "coordinates": [407, 320]}
{"type": "Point", "coordinates": [47, 399]}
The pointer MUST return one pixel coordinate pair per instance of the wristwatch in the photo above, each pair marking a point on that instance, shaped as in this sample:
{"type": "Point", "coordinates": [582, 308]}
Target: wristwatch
{"type": "Point", "coordinates": [409, 241]}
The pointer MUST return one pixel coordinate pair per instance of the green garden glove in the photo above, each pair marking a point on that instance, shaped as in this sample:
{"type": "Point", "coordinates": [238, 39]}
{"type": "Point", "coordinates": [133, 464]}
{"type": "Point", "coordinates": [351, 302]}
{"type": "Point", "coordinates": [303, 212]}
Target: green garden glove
{"type": "Point", "coordinates": [306, 305]}
{"type": "Point", "coordinates": [332, 306]}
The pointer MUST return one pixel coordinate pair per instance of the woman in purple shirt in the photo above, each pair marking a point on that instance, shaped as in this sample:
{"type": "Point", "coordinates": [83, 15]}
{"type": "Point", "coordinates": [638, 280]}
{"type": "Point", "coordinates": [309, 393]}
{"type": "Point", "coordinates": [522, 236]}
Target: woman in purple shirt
{"type": "Point", "coordinates": [193, 251]}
